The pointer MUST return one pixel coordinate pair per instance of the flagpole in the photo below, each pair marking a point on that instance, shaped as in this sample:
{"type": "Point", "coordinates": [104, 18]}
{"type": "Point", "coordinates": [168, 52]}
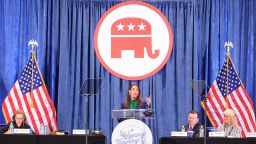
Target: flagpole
{"type": "Point", "coordinates": [230, 45]}
{"type": "Point", "coordinates": [35, 61]}
{"type": "Point", "coordinates": [33, 43]}
{"type": "Point", "coordinates": [227, 45]}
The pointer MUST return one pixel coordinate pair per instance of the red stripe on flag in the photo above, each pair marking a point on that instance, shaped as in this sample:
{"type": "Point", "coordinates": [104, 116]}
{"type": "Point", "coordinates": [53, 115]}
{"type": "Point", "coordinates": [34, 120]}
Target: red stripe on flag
{"type": "Point", "coordinates": [44, 108]}
{"type": "Point", "coordinates": [51, 105]}
{"type": "Point", "coordinates": [209, 113]}
{"type": "Point", "coordinates": [17, 97]}
{"type": "Point", "coordinates": [35, 104]}
{"type": "Point", "coordinates": [243, 133]}
{"type": "Point", "coordinates": [11, 102]}
{"type": "Point", "coordinates": [6, 113]}
{"type": "Point", "coordinates": [248, 98]}
{"type": "Point", "coordinates": [239, 110]}
{"type": "Point", "coordinates": [214, 107]}
{"type": "Point", "coordinates": [217, 98]}
{"type": "Point", "coordinates": [250, 106]}
{"type": "Point", "coordinates": [246, 108]}
{"type": "Point", "coordinates": [30, 114]}
{"type": "Point", "coordinates": [49, 100]}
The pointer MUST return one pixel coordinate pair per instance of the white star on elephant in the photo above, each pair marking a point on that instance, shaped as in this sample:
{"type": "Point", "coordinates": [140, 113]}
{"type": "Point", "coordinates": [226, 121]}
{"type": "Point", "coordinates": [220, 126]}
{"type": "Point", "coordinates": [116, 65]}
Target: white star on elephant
{"type": "Point", "coordinates": [131, 27]}
{"type": "Point", "coordinates": [120, 27]}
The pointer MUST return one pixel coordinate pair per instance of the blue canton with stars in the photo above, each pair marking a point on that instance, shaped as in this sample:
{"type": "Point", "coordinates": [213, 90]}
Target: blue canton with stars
{"type": "Point", "coordinates": [25, 80]}
{"type": "Point", "coordinates": [233, 80]}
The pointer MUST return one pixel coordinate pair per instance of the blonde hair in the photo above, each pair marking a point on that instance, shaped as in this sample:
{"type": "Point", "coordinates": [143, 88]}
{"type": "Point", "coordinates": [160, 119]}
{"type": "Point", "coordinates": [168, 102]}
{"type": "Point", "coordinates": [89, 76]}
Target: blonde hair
{"type": "Point", "coordinates": [19, 111]}
{"type": "Point", "coordinates": [231, 113]}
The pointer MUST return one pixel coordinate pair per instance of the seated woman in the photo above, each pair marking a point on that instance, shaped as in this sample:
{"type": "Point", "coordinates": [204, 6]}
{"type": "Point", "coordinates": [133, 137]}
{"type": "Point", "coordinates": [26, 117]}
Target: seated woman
{"type": "Point", "coordinates": [230, 126]}
{"type": "Point", "coordinates": [18, 121]}
{"type": "Point", "coordinates": [133, 100]}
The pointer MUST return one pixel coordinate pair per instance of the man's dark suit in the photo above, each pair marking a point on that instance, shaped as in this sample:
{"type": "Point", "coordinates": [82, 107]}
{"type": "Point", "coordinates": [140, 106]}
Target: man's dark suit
{"type": "Point", "coordinates": [195, 129]}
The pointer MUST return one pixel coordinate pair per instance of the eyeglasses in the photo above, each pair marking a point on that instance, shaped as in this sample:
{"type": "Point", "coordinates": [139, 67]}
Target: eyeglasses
{"type": "Point", "coordinates": [19, 118]}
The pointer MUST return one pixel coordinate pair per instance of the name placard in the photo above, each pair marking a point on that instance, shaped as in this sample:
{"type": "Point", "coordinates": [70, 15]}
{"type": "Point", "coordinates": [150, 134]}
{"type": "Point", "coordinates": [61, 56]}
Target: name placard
{"type": "Point", "coordinates": [179, 134]}
{"type": "Point", "coordinates": [80, 131]}
{"type": "Point", "coordinates": [21, 131]}
{"type": "Point", "coordinates": [251, 134]}
{"type": "Point", "coordinates": [216, 134]}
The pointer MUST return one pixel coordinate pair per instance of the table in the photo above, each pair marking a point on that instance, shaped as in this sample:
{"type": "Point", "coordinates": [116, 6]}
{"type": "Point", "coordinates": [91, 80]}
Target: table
{"type": "Point", "coordinates": [51, 139]}
{"type": "Point", "coordinates": [185, 140]}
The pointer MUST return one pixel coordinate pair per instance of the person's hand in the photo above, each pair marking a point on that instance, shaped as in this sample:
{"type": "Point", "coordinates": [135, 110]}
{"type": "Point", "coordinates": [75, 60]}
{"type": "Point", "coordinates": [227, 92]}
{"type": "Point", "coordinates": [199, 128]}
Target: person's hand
{"type": "Point", "coordinates": [148, 101]}
{"type": "Point", "coordinates": [8, 132]}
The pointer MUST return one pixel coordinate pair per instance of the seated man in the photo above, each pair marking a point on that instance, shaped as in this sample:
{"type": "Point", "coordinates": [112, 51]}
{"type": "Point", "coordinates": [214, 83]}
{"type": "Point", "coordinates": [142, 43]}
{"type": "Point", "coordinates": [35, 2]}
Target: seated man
{"type": "Point", "coordinates": [193, 125]}
{"type": "Point", "coordinates": [18, 121]}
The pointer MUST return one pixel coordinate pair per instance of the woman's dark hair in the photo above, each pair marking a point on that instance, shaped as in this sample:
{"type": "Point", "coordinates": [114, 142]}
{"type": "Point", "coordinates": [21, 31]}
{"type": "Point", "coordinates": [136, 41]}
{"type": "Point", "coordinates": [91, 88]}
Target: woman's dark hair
{"type": "Point", "coordinates": [128, 98]}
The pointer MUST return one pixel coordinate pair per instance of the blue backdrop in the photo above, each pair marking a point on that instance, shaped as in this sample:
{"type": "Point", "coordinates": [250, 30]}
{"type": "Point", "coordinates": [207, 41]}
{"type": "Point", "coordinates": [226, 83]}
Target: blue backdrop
{"type": "Point", "coordinates": [65, 31]}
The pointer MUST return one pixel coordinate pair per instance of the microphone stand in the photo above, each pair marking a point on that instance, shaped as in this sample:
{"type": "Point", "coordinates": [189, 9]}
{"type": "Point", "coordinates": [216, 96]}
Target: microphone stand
{"type": "Point", "coordinates": [86, 91]}
{"type": "Point", "coordinates": [205, 118]}
{"type": "Point", "coordinates": [199, 87]}
{"type": "Point", "coordinates": [87, 117]}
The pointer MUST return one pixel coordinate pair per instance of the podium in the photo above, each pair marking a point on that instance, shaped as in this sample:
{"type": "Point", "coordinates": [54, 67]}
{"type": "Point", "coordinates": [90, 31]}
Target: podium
{"type": "Point", "coordinates": [132, 113]}
{"type": "Point", "coordinates": [132, 129]}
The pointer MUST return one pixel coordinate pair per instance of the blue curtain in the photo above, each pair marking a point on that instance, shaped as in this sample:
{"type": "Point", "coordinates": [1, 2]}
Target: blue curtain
{"type": "Point", "coordinates": [65, 31]}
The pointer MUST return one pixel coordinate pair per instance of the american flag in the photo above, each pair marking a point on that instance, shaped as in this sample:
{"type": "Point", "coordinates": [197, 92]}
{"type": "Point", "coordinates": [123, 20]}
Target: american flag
{"type": "Point", "coordinates": [227, 91]}
{"type": "Point", "coordinates": [30, 94]}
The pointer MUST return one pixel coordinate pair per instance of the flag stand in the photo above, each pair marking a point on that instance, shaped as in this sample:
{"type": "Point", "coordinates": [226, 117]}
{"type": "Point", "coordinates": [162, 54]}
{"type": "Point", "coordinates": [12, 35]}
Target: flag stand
{"type": "Point", "coordinates": [200, 88]}
{"type": "Point", "coordinates": [90, 86]}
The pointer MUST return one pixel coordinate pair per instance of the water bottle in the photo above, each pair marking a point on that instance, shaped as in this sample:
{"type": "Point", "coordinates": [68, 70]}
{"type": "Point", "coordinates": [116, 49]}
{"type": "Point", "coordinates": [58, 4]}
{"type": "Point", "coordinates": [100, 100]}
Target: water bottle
{"type": "Point", "coordinates": [182, 129]}
{"type": "Point", "coordinates": [46, 130]}
{"type": "Point", "coordinates": [42, 129]}
{"type": "Point", "coordinates": [201, 131]}
{"type": "Point", "coordinates": [11, 127]}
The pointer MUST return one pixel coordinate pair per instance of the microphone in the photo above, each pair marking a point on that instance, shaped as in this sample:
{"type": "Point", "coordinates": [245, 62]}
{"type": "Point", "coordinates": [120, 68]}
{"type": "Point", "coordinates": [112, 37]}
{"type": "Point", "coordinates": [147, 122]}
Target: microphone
{"type": "Point", "coordinates": [148, 112]}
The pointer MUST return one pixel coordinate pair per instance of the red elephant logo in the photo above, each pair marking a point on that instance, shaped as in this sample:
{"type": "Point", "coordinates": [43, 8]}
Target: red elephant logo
{"type": "Point", "coordinates": [132, 34]}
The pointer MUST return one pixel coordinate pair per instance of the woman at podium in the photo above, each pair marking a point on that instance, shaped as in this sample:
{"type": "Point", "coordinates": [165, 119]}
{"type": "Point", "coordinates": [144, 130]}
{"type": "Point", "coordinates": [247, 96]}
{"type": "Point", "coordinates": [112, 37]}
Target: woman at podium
{"type": "Point", "coordinates": [134, 101]}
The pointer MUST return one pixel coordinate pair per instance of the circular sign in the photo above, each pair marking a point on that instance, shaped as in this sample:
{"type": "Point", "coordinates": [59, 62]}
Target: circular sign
{"type": "Point", "coordinates": [131, 131]}
{"type": "Point", "coordinates": [133, 40]}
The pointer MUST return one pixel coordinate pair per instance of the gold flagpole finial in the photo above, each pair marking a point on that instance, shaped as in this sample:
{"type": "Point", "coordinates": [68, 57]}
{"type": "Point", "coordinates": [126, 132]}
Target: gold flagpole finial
{"type": "Point", "coordinates": [228, 45]}
{"type": "Point", "coordinates": [33, 43]}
